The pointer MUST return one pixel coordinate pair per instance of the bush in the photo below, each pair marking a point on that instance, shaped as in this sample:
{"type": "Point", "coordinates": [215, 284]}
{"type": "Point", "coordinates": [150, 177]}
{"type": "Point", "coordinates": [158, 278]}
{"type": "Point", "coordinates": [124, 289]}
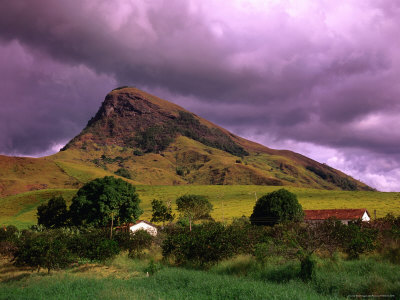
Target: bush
{"type": "Point", "coordinates": [152, 268]}
{"type": "Point", "coordinates": [276, 207]}
{"type": "Point", "coordinates": [44, 250]}
{"type": "Point", "coordinates": [307, 268]}
{"type": "Point", "coordinates": [358, 239]}
{"type": "Point", "coordinates": [94, 245]}
{"type": "Point", "coordinates": [137, 152]}
{"type": "Point", "coordinates": [123, 173]}
{"type": "Point", "coordinates": [8, 233]}
{"type": "Point", "coordinates": [203, 246]}
{"type": "Point", "coordinates": [138, 242]}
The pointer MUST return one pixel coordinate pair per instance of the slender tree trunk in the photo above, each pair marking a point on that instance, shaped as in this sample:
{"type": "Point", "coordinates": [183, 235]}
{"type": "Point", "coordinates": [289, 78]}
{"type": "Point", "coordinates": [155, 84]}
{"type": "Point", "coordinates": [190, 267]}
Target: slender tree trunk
{"type": "Point", "coordinates": [190, 224]}
{"type": "Point", "coordinates": [112, 224]}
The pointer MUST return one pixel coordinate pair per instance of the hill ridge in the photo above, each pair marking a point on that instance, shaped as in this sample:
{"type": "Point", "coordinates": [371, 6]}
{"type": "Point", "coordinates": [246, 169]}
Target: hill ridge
{"type": "Point", "coordinates": [154, 141]}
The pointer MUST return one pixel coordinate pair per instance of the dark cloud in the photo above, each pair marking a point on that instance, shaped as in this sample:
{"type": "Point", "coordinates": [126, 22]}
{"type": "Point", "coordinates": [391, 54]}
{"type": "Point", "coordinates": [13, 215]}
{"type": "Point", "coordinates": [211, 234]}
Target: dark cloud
{"type": "Point", "coordinates": [321, 73]}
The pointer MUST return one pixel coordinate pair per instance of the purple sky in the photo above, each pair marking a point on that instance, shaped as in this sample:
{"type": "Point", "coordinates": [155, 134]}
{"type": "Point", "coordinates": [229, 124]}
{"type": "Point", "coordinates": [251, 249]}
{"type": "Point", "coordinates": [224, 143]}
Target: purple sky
{"type": "Point", "coordinates": [317, 77]}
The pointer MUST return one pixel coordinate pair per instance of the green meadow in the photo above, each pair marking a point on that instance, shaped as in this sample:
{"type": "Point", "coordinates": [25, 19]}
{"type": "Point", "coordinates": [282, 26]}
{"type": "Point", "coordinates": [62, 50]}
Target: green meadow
{"type": "Point", "coordinates": [238, 278]}
{"type": "Point", "coordinates": [229, 201]}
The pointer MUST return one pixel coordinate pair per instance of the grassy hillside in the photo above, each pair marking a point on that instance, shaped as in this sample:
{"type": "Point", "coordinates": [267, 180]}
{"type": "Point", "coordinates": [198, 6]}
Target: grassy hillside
{"type": "Point", "coordinates": [156, 142]}
{"type": "Point", "coordinates": [228, 201]}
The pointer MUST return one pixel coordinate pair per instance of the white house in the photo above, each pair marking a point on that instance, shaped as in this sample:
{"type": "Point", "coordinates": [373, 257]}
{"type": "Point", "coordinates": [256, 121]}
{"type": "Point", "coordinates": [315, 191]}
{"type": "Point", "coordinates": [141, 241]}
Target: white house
{"type": "Point", "coordinates": [141, 224]}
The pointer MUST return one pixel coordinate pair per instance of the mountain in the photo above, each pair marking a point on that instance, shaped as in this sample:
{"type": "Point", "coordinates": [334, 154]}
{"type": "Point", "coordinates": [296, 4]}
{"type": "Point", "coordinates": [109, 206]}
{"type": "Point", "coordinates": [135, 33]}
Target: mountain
{"type": "Point", "coordinates": [152, 141]}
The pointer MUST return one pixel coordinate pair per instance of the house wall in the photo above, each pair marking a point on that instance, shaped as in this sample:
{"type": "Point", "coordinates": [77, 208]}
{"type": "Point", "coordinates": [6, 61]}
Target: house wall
{"type": "Point", "coordinates": [150, 229]}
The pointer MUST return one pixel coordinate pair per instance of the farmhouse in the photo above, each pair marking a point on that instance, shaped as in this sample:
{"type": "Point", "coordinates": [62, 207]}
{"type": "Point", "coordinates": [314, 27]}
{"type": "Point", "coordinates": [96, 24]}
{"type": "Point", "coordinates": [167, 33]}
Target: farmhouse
{"type": "Point", "coordinates": [343, 215]}
{"type": "Point", "coordinates": [140, 224]}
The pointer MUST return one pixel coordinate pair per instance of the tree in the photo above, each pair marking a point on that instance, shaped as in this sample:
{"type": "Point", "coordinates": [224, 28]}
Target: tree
{"type": "Point", "coordinates": [102, 200]}
{"type": "Point", "coordinates": [194, 207]}
{"type": "Point", "coordinates": [44, 250]}
{"type": "Point", "coordinates": [161, 212]}
{"type": "Point", "coordinates": [53, 214]}
{"type": "Point", "coordinates": [276, 207]}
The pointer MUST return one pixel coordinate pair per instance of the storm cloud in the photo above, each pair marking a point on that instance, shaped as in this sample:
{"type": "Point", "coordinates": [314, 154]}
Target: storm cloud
{"type": "Point", "coordinates": [319, 78]}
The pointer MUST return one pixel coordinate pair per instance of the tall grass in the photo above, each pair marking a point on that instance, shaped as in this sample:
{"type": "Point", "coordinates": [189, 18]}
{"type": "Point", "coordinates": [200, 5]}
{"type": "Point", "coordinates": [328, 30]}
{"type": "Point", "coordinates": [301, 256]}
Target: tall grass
{"type": "Point", "coordinates": [169, 283]}
{"type": "Point", "coordinates": [366, 276]}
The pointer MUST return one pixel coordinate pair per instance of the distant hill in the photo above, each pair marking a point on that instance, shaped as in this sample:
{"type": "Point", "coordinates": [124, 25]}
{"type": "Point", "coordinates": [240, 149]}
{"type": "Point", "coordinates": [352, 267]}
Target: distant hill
{"type": "Point", "coordinates": [148, 140]}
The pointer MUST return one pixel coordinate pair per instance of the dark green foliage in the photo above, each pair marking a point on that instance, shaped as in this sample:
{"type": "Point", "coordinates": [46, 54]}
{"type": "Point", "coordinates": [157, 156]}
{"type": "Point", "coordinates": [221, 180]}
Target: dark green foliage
{"type": "Point", "coordinates": [179, 171]}
{"type": "Point", "coordinates": [155, 139]}
{"type": "Point", "coordinates": [358, 239]}
{"type": "Point", "coordinates": [194, 207]}
{"type": "Point", "coordinates": [103, 198]}
{"type": "Point", "coordinates": [307, 268]}
{"type": "Point", "coordinates": [123, 173]}
{"type": "Point", "coordinates": [161, 212]}
{"type": "Point", "coordinates": [276, 207]}
{"type": "Point", "coordinates": [8, 233]}
{"type": "Point", "coordinates": [152, 268]}
{"type": "Point", "coordinates": [44, 250]}
{"type": "Point", "coordinates": [137, 152]}
{"type": "Point", "coordinates": [110, 160]}
{"type": "Point", "coordinates": [330, 176]}
{"type": "Point", "coordinates": [94, 244]}
{"type": "Point", "coordinates": [206, 244]}
{"type": "Point", "coordinates": [53, 214]}
{"type": "Point", "coordinates": [139, 241]}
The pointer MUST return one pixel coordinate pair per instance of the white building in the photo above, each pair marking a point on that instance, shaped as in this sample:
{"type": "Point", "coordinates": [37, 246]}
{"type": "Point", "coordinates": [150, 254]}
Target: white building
{"type": "Point", "coordinates": [141, 224]}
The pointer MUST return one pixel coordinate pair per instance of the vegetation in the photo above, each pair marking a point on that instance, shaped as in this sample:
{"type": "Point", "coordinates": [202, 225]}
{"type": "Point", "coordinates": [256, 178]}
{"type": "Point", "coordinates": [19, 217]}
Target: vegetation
{"type": "Point", "coordinates": [194, 207]}
{"type": "Point", "coordinates": [161, 212]}
{"type": "Point", "coordinates": [102, 200]}
{"type": "Point", "coordinates": [158, 137]}
{"type": "Point", "coordinates": [227, 255]}
{"type": "Point", "coordinates": [53, 214]}
{"type": "Point", "coordinates": [276, 207]}
{"type": "Point", "coordinates": [228, 202]}
{"type": "Point", "coordinates": [331, 176]}
{"type": "Point", "coordinates": [123, 173]}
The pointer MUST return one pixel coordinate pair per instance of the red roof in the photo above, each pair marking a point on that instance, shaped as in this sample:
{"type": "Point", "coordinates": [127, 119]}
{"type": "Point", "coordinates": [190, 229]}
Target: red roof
{"type": "Point", "coordinates": [340, 214]}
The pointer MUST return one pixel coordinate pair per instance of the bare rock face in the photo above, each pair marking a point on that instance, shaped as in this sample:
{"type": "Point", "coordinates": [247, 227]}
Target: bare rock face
{"type": "Point", "coordinates": [121, 116]}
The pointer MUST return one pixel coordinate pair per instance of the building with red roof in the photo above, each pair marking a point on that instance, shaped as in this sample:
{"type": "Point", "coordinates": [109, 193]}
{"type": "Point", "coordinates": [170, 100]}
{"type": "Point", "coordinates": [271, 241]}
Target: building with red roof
{"type": "Point", "coordinates": [344, 215]}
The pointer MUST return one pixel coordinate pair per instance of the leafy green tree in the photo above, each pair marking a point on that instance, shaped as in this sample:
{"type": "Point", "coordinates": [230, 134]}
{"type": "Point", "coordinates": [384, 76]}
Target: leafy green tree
{"type": "Point", "coordinates": [103, 200]}
{"type": "Point", "coordinates": [276, 207]}
{"type": "Point", "coordinates": [194, 207]}
{"type": "Point", "coordinates": [53, 214]}
{"type": "Point", "coordinates": [161, 212]}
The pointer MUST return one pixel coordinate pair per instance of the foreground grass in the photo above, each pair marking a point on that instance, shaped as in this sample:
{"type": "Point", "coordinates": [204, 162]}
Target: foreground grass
{"type": "Point", "coordinates": [238, 278]}
{"type": "Point", "coordinates": [229, 201]}
{"type": "Point", "coordinates": [168, 283]}
{"type": "Point", "coordinates": [366, 276]}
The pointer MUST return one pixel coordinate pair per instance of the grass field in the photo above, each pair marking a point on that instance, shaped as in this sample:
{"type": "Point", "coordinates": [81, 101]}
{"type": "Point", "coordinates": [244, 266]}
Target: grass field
{"type": "Point", "coordinates": [229, 201]}
{"type": "Point", "coordinates": [237, 278]}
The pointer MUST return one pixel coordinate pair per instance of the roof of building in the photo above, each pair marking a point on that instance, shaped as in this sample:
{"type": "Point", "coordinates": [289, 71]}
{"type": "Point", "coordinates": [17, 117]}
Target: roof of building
{"type": "Point", "coordinates": [340, 214]}
{"type": "Point", "coordinates": [142, 221]}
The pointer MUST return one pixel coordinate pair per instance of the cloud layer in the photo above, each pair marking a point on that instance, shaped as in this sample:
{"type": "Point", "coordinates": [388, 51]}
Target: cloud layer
{"type": "Point", "coordinates": [286, 73]}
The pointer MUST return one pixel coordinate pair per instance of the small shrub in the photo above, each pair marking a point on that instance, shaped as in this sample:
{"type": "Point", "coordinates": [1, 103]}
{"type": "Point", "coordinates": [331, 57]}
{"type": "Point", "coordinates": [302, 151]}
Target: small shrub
{"type": "Point", "coordinates": [137, 152]}
{"type": "Point", "coordinates": [261, 252]}
{"type": "Point", "coordinates": [307, 268]}
{"type": "Point", "coordinates": [138, 242]}
{"type": "Point", "coordinates": [180, 171]}
{"type": "Point", "coordinates": [152, 268]}
{"type": "Point", "coordinates": [123, 173]}
{"type": "Point", "coordinates": [8, 233]}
